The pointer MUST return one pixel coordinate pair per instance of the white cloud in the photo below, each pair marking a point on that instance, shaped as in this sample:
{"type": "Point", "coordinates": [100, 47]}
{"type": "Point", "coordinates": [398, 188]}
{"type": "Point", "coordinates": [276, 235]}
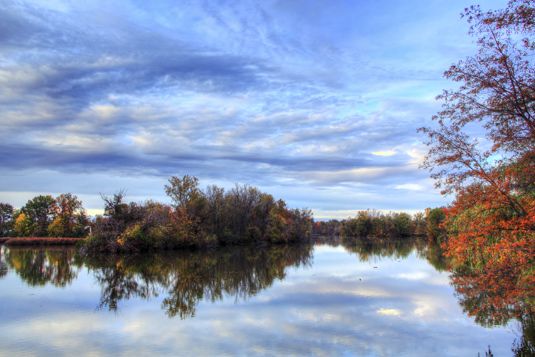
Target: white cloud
{"type": "Point", "coordinates": [410, 187]}
{"type": "Point", "coordinates": [389, 312]}
{"type": "Point", "coordinates": [385, 153]}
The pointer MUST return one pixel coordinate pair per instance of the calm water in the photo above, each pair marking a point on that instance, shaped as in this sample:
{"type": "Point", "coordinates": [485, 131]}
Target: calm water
{"type": "Point", "coordinates": [320, 300]}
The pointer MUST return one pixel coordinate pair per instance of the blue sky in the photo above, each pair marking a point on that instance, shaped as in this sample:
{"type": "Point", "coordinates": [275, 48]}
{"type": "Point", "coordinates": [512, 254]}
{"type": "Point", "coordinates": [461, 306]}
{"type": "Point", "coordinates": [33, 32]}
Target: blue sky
{"type": "Point", "coordinates": [315, 102]}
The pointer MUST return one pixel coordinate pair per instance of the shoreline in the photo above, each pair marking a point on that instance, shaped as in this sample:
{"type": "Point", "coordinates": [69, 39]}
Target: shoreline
{"type": "Point", "coordinates": [39, 241]}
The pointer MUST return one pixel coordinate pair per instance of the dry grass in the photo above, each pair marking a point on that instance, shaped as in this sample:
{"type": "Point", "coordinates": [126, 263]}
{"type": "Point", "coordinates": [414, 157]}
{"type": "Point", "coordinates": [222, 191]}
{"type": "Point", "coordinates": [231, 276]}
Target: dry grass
{"type": "Point", "coordinates": [33, 241]}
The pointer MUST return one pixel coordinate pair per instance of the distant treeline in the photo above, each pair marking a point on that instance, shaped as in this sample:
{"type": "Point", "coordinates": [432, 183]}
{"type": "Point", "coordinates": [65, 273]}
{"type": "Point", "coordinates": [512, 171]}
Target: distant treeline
{"type": "Point", "coordinates": [374, 224]}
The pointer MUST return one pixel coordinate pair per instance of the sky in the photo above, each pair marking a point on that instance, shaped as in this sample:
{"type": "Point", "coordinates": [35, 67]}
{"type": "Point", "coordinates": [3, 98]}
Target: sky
{"type": "Point", "coordinates": [314, 102]}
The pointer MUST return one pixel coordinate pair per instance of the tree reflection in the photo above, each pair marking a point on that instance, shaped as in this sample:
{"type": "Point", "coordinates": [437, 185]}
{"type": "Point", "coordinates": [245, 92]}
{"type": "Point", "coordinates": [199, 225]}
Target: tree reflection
{"type": "Point", "coordinates": [368, 248]}
{"type": "Point", "coordinates": [432, 251]}
{"type": "Point", "coordinates": [493, 297]}
{"type": "Point", "coordinates": [38, 267]}
{"type": "Point", "coordinates": [187, 277]}
{"type": "Point", "coordinates": [3, 265]}
{"type": "Point", "coordinates": [526, 345]}
{"type": "Point", "coordinates": [183, 278]}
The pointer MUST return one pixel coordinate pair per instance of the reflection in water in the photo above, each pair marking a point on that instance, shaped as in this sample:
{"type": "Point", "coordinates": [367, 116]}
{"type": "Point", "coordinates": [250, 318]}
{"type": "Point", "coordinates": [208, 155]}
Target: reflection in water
{"type": "Point", "coordinates": [38, 267]}
{"type": "Point", "coordinates": [491, 302]}
{"type": "Point", "coordinates": [494, 302]}
{"type": "Point", "coordinates": [526, 345]}
{"type": "Point", "coordinates": [431, 251]}
{"type": "Point", "coordinates": [185, 278]}
{"type": "Point", "coordinates": [3, 265]}
{"type": "Point", "coordinates": [367, 248]}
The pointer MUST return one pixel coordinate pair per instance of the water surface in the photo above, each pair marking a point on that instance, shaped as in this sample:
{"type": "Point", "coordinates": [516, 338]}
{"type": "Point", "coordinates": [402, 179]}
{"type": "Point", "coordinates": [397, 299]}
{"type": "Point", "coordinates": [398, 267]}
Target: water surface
{"type": "Point", "coordinates": [393, 300]}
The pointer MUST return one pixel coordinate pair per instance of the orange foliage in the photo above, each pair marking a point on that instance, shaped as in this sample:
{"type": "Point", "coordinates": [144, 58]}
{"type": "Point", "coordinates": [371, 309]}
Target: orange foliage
{"type": "Point", "coordinates": [492, 247]}
{"type": "Point", "coordinates": [491, 224]}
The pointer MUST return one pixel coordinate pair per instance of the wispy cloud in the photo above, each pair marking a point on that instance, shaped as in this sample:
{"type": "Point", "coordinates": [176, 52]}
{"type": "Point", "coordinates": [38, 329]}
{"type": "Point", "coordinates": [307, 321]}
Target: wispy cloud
{"type": "Point", "coordinates": [289, 96]}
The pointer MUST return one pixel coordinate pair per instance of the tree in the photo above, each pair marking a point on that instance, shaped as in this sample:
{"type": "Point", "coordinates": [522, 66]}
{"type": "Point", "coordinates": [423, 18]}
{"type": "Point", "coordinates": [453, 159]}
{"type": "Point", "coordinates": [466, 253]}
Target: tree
{"type": "Point", "coordinates": [40, 212]}
{"type": "Point", "coordinates": [70, 218]}
{"type": "Point", "coordinates": [197, 219]}
{"type": "Point", "coordinates": [497, 91]}
{"type": "Point", "coordinates": [183, 190]}
{"type": "Point", "coordinates": [434, 217]}
{"type": "Point", "coordinates": [402, 223]}
{"type": "Point", "coordinates": [6, 219]}
{"type": "Point", "coordinates": [114, 206]}
{"type": "Point", "coordinates": [187, 199]}
{"type": "Point", "coordinates": [23, 226]}
{"type": "Point", "coordinates": [491, 223]}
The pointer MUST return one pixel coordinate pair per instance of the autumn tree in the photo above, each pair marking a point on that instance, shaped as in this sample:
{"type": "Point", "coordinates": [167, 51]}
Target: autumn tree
{"type": "Point", "coordinates": [197, 218]}
{"type": "Point", "coordinates": [183, 190]}
{"type": "Point", "coordinates": [69, 217]}
{"type": "Point", "coordinates": [23, 226]}
{"type": "Point", "coordinates": [496, 92]}
{"type": "Point", "coordinates": [188, 201]}
{"type": "Point", "coordinates": [491, 223]}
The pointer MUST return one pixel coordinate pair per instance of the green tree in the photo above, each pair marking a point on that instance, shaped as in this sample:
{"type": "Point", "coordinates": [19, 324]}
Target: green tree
{"type": "Point", "coordinates": [402, 224]}
{"type": "Point", "coordinates": [434, 218]}
{"type": "Point", "coordinates": [360, 226]}
{"type": "Point", "coordinates": [420, 226]}
{"type": "Point", "coordinates": [40, 212]}
{"type": "Point", "coordinates": [6, 219]}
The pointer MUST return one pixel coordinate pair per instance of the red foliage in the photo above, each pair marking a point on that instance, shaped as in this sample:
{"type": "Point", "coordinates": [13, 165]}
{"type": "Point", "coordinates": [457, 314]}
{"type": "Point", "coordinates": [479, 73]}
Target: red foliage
{"type": "Point", "coordinates": [492, 249]}
{"type": "Point", "coordinates": [491, 224]}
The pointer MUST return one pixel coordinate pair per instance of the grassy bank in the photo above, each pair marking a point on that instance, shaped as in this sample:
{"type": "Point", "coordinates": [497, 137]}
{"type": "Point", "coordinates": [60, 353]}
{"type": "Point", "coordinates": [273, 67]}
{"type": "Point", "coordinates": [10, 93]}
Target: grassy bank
{"type": "Point", "coordinates": [39, 241]}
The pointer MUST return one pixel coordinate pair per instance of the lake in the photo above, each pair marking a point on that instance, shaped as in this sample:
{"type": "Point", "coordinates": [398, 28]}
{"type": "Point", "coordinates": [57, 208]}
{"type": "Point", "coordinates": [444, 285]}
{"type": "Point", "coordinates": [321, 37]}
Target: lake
{"type": "Point", "coordinates": [382, 300]}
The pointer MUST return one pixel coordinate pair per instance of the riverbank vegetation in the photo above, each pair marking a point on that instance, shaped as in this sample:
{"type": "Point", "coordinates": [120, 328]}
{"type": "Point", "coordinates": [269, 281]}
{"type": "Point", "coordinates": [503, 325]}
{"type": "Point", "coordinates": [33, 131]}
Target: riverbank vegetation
{"type": "Point", "coordinates": [39, 241]}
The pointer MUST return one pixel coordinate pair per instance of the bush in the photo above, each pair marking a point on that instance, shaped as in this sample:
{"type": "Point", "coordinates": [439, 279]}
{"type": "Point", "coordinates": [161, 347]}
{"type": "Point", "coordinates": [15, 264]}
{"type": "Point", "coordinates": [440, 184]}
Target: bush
{"type": "Point", "coordinates": [434, 218]}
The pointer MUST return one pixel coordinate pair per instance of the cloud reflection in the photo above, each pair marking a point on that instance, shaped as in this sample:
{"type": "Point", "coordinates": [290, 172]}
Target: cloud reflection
{"type": "Point", "coordinates": [342, 304]}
